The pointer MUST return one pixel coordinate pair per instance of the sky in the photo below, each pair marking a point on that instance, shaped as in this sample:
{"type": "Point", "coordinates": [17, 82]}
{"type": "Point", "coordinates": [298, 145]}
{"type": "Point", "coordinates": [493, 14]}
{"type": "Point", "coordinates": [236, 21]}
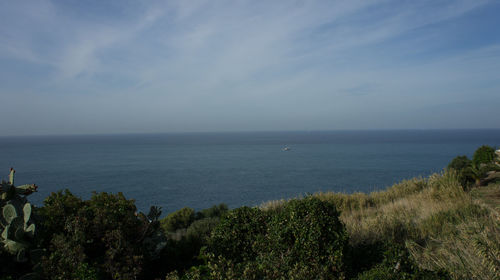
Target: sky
{"type": "Point", "coordinates": [93, 67]}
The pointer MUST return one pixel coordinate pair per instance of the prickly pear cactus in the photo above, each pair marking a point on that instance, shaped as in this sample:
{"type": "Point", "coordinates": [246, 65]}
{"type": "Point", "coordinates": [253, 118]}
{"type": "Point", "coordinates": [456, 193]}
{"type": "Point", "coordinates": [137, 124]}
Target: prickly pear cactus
{"type": "Point", "coordinates": [16, 226]}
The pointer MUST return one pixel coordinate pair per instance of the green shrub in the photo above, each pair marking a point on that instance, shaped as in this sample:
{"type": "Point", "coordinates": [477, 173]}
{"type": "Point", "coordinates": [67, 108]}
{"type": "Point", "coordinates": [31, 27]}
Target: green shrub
{"type": "Point", "coordinates": [212, 212]}
{"type": "Point", "coordinates": [479, 172]}
{"type": "Point", "coordinates": [199, 231]}
{"type": "Point", "coordinates": [102, 236]}
{"type": "Point", "coordinates": [188, 233]}
{"type": "Point", "coordinates": [57, 209]}
{"type": "Point", "coordinates": [484, 155]}
{"type": "Point", "coordinates": [363, 256]}
{"type": "Point", "coordinates": [85, 272]}
{"type": "Point", "coordinates": [65, 260]}
{"type": "Point", "coordinates": [179, 219]}
{"type": "Point", "coordinates": [236, 235]}
{"type": "Point", "coordinates": [304, 237]}
{"type": "Point", "coordinates": [182, 253]}
{"type": "Point", "coordinates": [460, 163]}
{"type": "Point", "coordinates": [475, 171]}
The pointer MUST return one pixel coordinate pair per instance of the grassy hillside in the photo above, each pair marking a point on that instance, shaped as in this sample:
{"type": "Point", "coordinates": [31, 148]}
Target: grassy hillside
{"type": "Point", "coordinates": [442, 225]}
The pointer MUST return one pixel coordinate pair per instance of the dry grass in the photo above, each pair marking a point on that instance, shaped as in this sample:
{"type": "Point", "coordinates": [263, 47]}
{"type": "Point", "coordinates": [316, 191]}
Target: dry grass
{"type": "Point", "coordinates": [272, 204]}
{"type": "Point", "coordinates": [443, 226]}
{"type": "Point", "coordinates": [489, 195]}
{"type": "Point", "coordinates": [472, 253]}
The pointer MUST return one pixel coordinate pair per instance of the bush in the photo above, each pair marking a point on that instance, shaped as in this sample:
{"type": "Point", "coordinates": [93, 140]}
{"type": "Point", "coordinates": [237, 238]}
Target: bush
{"type": "Point", "coordinates": [460, 163]}
{"type": "Point", "coordinates": [212, 212]}
{"type": "Point", "coordinates": [102, 236]}
{"type": "Point", "coordinates": [67, 260]}
{"type": "Point", "coordinates": [484, 155]}
{"type": "Point", "coordinates": [363, 256]}
{"type": "Point", "coordinates": [182, 253]}
{"type": "Point", "coordinates": [179, 219]}
{"type": "Point", "coordinates": [236, 235]}
{"type": "Point", "coordinates": [303, 238]}
{"type": "Point", "coordinates": [188, 233]}
{"type": "Point", "coordinates": [58, 208]}
{"type": "Point", "coordinates": [199, 231]}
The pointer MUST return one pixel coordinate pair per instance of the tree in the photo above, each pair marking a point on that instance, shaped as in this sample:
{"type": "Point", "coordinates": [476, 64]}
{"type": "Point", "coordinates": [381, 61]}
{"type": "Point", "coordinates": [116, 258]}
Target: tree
{"type": "Point", "coordinates": [460, 163]}
{"type": "Point", "coordinates": [103, 236]}
{"type": "Point", "coordinates": [484, 155]}
{"type": "Point", "coordinates": [305, 237]}
{"type": "Point", "coordinates": [179, 219]}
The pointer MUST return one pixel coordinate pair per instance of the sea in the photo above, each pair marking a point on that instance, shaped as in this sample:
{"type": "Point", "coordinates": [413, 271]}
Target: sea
{"type": "Point", "coordinates": [198, 170]}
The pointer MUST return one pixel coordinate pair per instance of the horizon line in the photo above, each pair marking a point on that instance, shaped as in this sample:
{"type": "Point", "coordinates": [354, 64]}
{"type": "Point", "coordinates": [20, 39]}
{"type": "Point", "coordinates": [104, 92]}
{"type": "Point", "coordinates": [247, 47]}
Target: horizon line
{"type": "Point", "coordinates": [241, 132]}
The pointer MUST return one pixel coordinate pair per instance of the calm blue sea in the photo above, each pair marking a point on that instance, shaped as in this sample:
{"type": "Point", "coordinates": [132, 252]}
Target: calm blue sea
{"type": "Point", "coordinates": [202, 169]}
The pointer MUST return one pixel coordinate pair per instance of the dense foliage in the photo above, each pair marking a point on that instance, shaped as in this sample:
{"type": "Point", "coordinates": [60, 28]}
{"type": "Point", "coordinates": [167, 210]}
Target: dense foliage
{"type": "Point", "coordinates": [476, 171]}
{"type": "Point", "coordinates": [185, 242]}
{"type": "Point", "coordinates": [303, 238]}
{"type": "Point", "coordinates": [484, 155]}
{"type": "Point", "coordinates": [460, 163]}
{"type": "Point", "coordinates": [180, 219]}
{"type": "Point", "coordinates": [103, 237]}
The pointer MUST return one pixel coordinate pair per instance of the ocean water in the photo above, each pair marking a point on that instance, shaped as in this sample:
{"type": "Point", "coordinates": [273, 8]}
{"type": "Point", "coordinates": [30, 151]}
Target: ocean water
{"type": "Point", "coordinates": [202, 169]}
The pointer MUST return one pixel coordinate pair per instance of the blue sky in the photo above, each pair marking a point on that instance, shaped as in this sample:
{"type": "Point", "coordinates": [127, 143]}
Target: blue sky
{"type": "Point", "coordinates": [78, 67]}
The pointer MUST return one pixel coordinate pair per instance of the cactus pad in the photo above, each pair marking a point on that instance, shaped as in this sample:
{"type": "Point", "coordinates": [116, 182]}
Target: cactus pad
{"type": "Point", "coordinates": [16, 229]}
{"type": "Point", "coordinates": [30, 230]}
{"type": "Point", "coordinates": [11, 176]}
{"type": "Point", "coordinates": [13, 247]}
{"type": "Point", "coordinates": [27, 212]}
{"type": "Point", "coordinates": [9, 212]}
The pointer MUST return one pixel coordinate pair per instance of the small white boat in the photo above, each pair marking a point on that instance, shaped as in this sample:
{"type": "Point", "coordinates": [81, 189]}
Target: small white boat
{"type": "Point", "coordinates": [286, 149]}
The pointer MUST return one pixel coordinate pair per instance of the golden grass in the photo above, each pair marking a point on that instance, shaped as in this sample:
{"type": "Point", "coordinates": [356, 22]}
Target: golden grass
{"type": "Point", "coordinates": [472, 253]}
{"type": "Point", "coordinates": [442, 225]}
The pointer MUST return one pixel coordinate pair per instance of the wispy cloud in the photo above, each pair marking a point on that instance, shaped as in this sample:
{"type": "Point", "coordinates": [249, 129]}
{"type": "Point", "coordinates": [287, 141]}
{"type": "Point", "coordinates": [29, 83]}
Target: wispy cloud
{"type": "Point", "coordinates": [202, 61]}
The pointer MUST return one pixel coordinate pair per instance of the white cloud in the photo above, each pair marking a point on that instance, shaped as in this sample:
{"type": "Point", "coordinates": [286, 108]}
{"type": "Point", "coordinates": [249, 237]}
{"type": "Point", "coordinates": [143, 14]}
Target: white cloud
{"type": "Point", "coordinates": [211, 59]}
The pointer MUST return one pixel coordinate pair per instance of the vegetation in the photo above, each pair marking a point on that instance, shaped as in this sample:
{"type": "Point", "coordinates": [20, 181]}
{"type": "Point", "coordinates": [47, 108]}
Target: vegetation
{"type": "Point", "coordinates": [17, 225]}
{"type": "Point", "coordinates": [303, 238]}
{"type": "Point", "coordinates": [187, 232]}
{"type": "Point", "coordinates": [478, 171]}
{"type": "Point", "coordinates": [484, 155]}
{"type": "Point", "coordinates": [432, 218]}
{"type": "Point", "coordinates": [180, 219]}
{"type": "Point", "coordinates": [446, 226]}
{"type": "Point", "coordinates": [103, 237]}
